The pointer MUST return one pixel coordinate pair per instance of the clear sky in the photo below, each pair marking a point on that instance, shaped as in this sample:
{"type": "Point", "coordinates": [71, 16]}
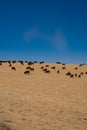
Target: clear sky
{"type": "Point", "coordinates": [49, 30]}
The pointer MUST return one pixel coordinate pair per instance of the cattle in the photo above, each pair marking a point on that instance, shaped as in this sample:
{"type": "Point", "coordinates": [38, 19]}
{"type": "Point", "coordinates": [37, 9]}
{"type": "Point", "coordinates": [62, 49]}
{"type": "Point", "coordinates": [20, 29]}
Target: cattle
{"type": "Point", "coordinates": [71, 76]}
{"type": "Point", "coordinates": [63, 64]}
{"type": "Point", "coordinates": [79, 76]}
{"type": "Point", "coordinates": [68, 73]}
{"type": "Point", "coordinates": [27, 72]}
{"type": "Point", "coordinates": [32, 69]}
{"type": "Point", "coordinates": [13, 61]}
{"type": "Point", "coordinates": [81, 73]}
{"type": "Point", "coordinates": [46, 65]}
{"type": "Point", "coordinates": [58, 62]}
{"type": "Point", "coordinates": [63, 67]}
{"type": "Point", "coordinates": [13, 68]}
{"type": "Point", "coordinates": [42, 62]}
{"type": "Point", "coordinates": [53, 67]}
{"type": "Point", "coordinates": [58, 71]}
{"type": "Point", "coordinates": [47, 71]}
{"type": "Point", "coordinates": [21, 62]}
{"type": "Point", "coordinates": [28, 67]}
{"type": "Point", "coordinates": [76, 68]}
{"type": "Point", "coordinates": [75, 75]}
{"type": "Point", "coordinates": [80, 65]}
{"type": "Point", "coordinates": [0, 63]}
{"type": "Point", "coordinates": [42, 67]}
{"type": "Point", "coordinates": [35, 62]}
{"type": "Point", "coordinates": [10, 65]}
{"type": "Point", "coordinates": [9, 62]}
{"type": "Point", "coordinates": [30, 63]}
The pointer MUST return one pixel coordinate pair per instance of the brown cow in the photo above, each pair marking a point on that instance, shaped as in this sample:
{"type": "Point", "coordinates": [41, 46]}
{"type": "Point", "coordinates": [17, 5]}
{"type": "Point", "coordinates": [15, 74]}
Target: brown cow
{"type": "Point", "coordinates": [53, 67]}
{"type": "Point", "coordinates": [63, 67]}
{"type": "Point", "coordinates": [75, 75]}
{"type": "Point", "coordinates": [58, 71]}
{"type": "Point", "coordinates": [42, 67]}
{"type": "Point", "coordinates": [46, 65]}
{"type": "Point", "coordinates": [76, 68]}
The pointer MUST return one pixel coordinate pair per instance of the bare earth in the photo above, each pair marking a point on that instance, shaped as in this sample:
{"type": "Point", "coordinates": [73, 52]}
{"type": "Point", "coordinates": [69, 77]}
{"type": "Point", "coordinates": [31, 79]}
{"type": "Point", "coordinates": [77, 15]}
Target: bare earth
{"type": "Point", "coordinates": [43, 101]}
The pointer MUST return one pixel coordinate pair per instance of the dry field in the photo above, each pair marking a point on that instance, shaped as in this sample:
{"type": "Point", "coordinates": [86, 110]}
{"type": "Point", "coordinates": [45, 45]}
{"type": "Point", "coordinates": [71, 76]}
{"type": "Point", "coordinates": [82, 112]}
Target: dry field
{"type": "Point", "coordinates": [43, 101]}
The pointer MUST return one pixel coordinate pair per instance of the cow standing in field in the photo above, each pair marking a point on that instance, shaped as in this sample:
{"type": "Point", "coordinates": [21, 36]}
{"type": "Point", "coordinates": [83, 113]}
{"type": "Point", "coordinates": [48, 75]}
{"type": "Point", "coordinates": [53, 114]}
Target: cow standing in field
{"type": "Point", "coordinates": [47, 71]}
{"type": "Point", "coordinates": [53, 67]}
{"type": "Point", "coordinates": [42, 67]}
{"type": "Point", "coordinates": [0, 63]}
{"type": "Point", "coordinates": [32, 69]}
{"type": "Point", "coordinates": [13, 68]}
{"type": "Point", "coordinates": [27, 72]}
{"type": "Point", "coordinates": [58, 72]}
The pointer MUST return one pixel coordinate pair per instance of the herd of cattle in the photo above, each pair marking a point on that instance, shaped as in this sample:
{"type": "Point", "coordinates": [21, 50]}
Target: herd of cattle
{"type": "Point", "coordinates": [44, 67]}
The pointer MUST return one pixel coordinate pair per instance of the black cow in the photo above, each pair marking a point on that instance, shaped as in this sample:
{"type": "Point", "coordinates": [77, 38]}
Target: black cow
{"type": "Point", "coordinates": [13, 68]}
{"type": "Point", "coordinates": [58, 71]}
{"type": "Point", "coordinates": [27, 72]}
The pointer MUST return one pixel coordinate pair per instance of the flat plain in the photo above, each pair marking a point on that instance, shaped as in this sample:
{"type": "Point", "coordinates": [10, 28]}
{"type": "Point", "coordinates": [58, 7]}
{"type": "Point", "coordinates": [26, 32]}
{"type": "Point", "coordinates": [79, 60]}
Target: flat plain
{"type": "Point", "coordinates": [43, 100]}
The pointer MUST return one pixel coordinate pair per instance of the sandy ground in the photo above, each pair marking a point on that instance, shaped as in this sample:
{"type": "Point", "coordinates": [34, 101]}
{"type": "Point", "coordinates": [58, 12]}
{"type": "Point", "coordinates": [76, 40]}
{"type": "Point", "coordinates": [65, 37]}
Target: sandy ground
{"type": "Point", "coordinates": [42, 101]}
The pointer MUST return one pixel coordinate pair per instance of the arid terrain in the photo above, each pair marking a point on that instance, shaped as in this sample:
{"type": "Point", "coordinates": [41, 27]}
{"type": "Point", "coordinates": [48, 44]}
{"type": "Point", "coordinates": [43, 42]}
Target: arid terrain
{"type": "Point", "coordinates": [32, 98]}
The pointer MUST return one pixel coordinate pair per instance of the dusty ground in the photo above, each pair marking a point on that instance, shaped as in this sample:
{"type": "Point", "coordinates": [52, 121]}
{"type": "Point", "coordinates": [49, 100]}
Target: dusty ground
{"type": "Point", "coordinates": [41, 101]}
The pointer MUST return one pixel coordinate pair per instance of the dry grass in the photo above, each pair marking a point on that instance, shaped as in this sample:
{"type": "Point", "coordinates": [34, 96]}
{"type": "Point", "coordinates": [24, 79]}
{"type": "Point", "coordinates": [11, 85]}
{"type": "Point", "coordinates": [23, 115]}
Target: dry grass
{"type": "Point", "coordinates": [42, 101]}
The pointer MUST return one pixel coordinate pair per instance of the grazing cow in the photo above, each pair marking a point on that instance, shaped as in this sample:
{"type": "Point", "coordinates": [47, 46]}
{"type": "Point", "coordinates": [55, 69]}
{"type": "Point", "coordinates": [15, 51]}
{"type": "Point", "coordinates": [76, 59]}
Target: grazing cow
{"type": "Point", "coordinates": [79, 76]}
{"type": "Point", "coordinates": [28, 67]}
{"type": "Point", "coordinates": [35, 62]}
{"type": "Point", "coordinates": [81, 73]}
{"type": "Point", "coordinates": [13, 68]}
{"type": "Point", "coordinates": [46, 65]}
{"type": "Point", "coordinates": [53, 67]}
{"type": "Point", "coordinates": [42, 62]}
{"type": "Point", "coordinates": [58, 62]}
{"type": "Point", "coordinates": [80, 65]}
{"type": "Point", "coordinates": [26, 61]}
{"type": "Point", "coordinates": [75, 75]}
{"type": "Point", "coordinates": [42, 67]}
{"type": "Point", "coordinates": [76, 68]}
{"type": "Point", "coordinates": [27, 72]}
{"type": "Point", "coordinates": [68, 73]}
{"type": "Point", "coordinates": [9, 62]}
{"type": "Point", "coordinates": [63, 67]}
{"type": "Point", "coordinates": [63, 64]}
{"type": "Point", "coordinates": [47, 71]}
{"type": "Point", "coordinates": [10, 65]}
{"type": "Point", "coordinates": [21, 62]}
{"type": "Point", "coordinates": [32, 69]}
{"type": "Point", "coordinates": [0, 63]}
{"type": "Point", "coordinates": [30, 63]}
{"type": "Point", "coordinates": [71, 76]}
{"type": "Point", "coordinates": [58, 71]}
{"type": "Point", "coordinates": [13, 61]}
{"type": "Point", "coordinates": [83, 64]}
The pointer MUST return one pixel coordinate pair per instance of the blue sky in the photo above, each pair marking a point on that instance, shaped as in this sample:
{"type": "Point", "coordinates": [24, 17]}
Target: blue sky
{"type": "Point", "coordinates": [49, 30]}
